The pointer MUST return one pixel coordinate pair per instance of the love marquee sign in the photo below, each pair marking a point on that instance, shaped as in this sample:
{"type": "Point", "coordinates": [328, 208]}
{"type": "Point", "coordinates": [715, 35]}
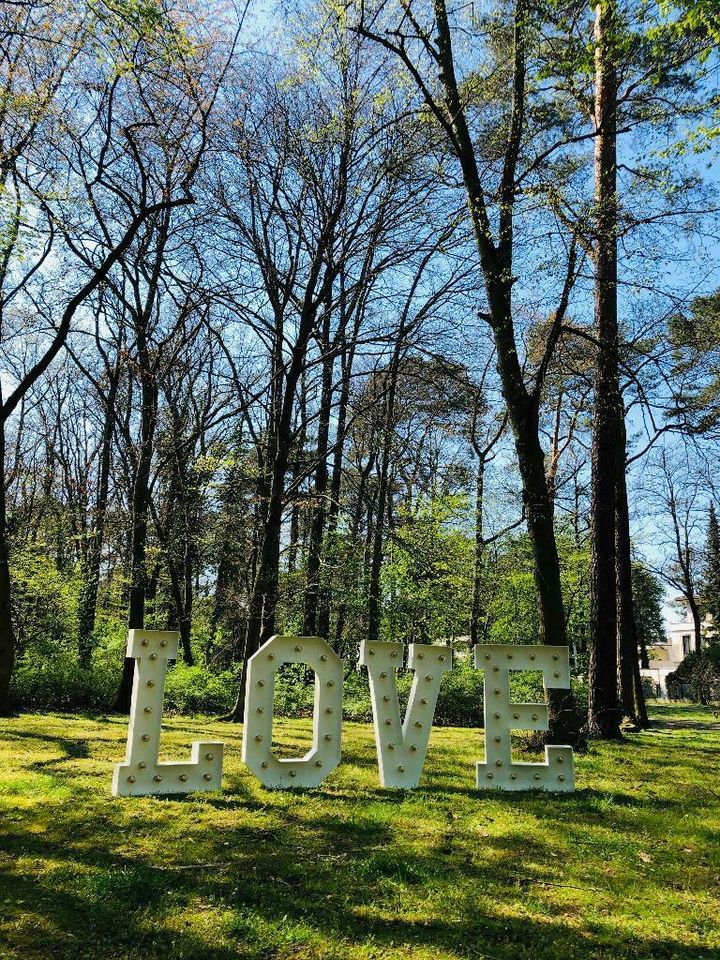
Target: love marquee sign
{"type": "Point", "coordinates": [401, 743]}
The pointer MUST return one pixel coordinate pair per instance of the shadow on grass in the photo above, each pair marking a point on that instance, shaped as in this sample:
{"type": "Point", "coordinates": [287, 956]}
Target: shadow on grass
{"type": "Point", "coordinates": [276, 897]}
{"type": "Point", "coordinates": [73, 748]}
{"type": "Point", "coordinates": [188, 878]}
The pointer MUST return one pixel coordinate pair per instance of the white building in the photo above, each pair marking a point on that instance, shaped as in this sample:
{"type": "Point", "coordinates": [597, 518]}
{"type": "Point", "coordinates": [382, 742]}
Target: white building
{"type": "Point", "coordinates": [666, 657]}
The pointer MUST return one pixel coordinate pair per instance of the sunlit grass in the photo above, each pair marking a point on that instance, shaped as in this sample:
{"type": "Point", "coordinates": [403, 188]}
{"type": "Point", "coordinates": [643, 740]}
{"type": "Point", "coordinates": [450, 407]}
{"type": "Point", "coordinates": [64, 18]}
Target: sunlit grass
{"type": "Point", "coordinates": [628, 867]}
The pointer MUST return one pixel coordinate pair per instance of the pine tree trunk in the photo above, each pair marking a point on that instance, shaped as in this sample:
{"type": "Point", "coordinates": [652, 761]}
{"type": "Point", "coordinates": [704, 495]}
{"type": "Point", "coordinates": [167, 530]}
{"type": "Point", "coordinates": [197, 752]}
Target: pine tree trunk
{"type": "Point", "coordinates": [603, 707]}
{"type": "Point", "coordinates": [626, 632]}
{"type": "Point", "coordinates": [632, 697]}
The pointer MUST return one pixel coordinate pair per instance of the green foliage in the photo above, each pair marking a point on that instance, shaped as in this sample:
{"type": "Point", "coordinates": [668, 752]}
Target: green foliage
{"type": "Point", "coordinates": [698, 675]}
{"type": "Point", "coordinates": [648, 597]}
{"type": "Point", "coordinates": [196, 689]}
{"type": "Point", "coordinates": [44, 602]}
{"type": "Point", "coordinates": [512, 609]}
{"type": "Point", "coordinates": [60, 683]}
{"type": "Point", "coordinates": [710, 585]}
{"type": "Point", "coordinates": [461, 700]}
{"type": "Point", "coordinates": [695, 18]}
{"type": "Point", "coordinates": [428, 578]}
{"type": "Point", "coordinates": [122, 27]}
{"type": "Point", "coordinates": [695, 339]}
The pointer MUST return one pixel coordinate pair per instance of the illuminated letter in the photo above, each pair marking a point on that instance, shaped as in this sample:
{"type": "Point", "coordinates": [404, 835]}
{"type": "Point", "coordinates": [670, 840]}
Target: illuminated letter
{"type": "Point", "coordinates": [401, 748]}
{"type": "Point", "coordinates": [501, 716]}
{"type": "Point", "coordinates": [141, 774]}
{"type": "Point", "coordinates": [310, 770]}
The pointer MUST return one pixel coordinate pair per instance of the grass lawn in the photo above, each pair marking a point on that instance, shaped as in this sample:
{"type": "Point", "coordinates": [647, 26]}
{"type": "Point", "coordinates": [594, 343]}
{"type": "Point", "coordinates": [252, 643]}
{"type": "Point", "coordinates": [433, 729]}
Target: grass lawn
{"type": "Point", "coordinates": [628, 867]}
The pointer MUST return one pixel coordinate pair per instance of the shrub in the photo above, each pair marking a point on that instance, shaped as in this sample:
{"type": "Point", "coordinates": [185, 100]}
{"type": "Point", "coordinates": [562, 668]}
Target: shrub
{"type": "Point", "coordinates": [196, 690]}
{"type": "Point", "coordinates": [61, 684]}
{"type": "Point", "coordinates": [700, 673]}
{"type": "Point", "coordinates": [44, 603]}
{"type": "Point", "coordinates": [461, 701]}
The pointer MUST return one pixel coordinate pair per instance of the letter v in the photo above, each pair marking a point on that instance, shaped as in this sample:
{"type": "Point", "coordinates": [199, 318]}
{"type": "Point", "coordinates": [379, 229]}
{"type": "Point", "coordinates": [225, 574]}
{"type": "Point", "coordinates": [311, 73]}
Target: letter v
{"type": "Point", "coordinates": [401, 749]}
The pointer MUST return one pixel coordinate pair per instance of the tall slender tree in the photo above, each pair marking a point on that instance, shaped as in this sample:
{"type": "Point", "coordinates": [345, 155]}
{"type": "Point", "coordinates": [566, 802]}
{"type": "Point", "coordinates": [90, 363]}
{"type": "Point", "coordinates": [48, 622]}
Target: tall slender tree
{"type": "Point", "coordinates": [710, 585]}
{"type": "Point", "coordinates": [423, 43]}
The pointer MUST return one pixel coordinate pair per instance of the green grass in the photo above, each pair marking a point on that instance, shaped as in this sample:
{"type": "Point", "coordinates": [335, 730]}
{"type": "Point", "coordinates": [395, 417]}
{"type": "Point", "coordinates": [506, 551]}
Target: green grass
{"type": "Point", "coordinates": [628, 867]}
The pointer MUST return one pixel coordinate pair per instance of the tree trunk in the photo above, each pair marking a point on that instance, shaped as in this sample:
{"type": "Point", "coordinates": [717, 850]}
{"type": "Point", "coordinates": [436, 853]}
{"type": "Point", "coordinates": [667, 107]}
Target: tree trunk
{"type": "Point", "coordinates": [264, 596]}
{"type": "Point", "coordinates": [140, 506]}
{"type": "Point", "coordinates": [478, 570]}
{"type": "Point", "coordinates": [181, 584]}
{"type": "Point", "coordinates": [697, 621]}
{"type": "Point", "coordinates": [87, 602]}
{"type": "Point", "coordinates": [325, 599]}
{"type": "Point", "coordinates": [627, 646]}
{"type": "Point", "coordinates": [522, 405]}
{"type": "Point", "coordinates": [354, 535]}
{"type": "Point", "coordinates": [187, 608]}
{"type": "Point", "coordinates": [294, 545]}
{"type": "Point", "coordinates": [632, 697]}
{"type": "Point", "coordinates": [603, 707]}
{"type": "Point", "coordinates": [7, 638]}
{"type": "Point", "coordinates": [319, 510]}
{"type": "Point", "coordinates": [219, 605]}
{"type": "Point", "coordinates": [563, 726]}
{"type": "Point", "coordinates": [376, 555]}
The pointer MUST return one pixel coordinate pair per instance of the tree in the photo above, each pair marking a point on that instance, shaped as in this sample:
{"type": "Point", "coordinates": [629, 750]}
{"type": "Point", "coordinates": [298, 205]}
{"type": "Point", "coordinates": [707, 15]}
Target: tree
{"type": "Point", "coordinates": [89, 159]}
{"type": "Point", "coordinates": [106, 384]}
{"type": "Point", "coordinates": [694, 337]}
{"type": "Point", "coordinates": [709, 589]}
{"type": "Point", "coordinates": [678, 493]}
{"type": "Point", "coordinates": [648, 599]}
{"type": "Point", "coordinates": [423, 42]}
{"type": "Point", "coordinates": [607, 455]}
{"type": "Point", "coordinates": [484, 439]}
{"type": "Point", "coordinates": [646, 65]}
{"type": "Point", "coordinates": [429, 573]}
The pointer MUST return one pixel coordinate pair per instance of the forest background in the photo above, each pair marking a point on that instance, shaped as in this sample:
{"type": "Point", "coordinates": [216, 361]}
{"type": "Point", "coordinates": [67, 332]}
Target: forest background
{"type": "Point", "coordinates": [386, 321]}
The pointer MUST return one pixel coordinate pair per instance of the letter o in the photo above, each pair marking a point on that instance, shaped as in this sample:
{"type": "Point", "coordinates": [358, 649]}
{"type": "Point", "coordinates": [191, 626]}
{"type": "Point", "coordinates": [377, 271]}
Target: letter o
{"type": "Point", "coordinates": [324, 756]}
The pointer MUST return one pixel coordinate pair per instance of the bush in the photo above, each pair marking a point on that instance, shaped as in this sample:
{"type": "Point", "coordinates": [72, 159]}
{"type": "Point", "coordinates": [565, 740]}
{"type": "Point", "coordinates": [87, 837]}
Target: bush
{"type": "Point", "coordinates": [460, 702]}
{"type": "Point", "coordinates": [44, 603]}
{"type": "Point", "coordinates": [196, 690]}
{"type": "Point", "coordinates": [700, 673]}
{"type": "Point", "coordinates": [58, 683]}
{"type": "Point", "coordinates": [61, 684]}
